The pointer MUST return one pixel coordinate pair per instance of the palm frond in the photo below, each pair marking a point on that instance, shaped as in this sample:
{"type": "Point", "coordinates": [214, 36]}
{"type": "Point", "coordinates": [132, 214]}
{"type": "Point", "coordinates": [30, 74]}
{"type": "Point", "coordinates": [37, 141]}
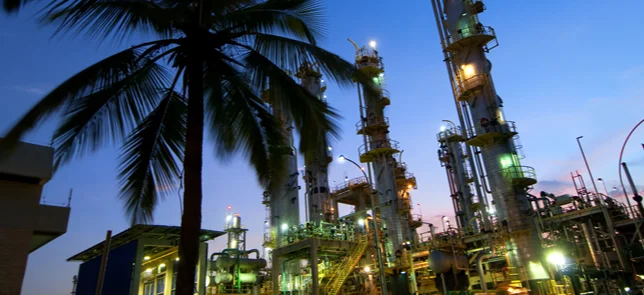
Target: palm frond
{"type": "Point", "coordinates": [290, 54]}
{"type": "Point", "coordinates": [92, 79]}
{"type": "Point", "coordinates": [241, 122]}
{"type": "Point", "coordinates": [110, 111]}
{"type": "Point", "coordinates": [301, 19]}
{"type": "Point", "coordinates": [13, 6]}
{"type": "Point", "coordinates": [150, 156]}
{"type": "Point", "coordinates": [102, 18]}
{"type": "Point", "coordinates": [311, 116]}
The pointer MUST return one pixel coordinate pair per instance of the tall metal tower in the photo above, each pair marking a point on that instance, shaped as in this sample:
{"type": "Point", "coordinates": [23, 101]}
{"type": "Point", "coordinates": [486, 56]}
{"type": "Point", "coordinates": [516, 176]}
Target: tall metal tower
{"type": "Point", "coordinates": [284, 201]}
{"type": "Point", "coordinates": [320, 206]}
{"type": "Point", "coordinates": [378, 150]}
{"type": "Point", "coordinates": [465, 42]}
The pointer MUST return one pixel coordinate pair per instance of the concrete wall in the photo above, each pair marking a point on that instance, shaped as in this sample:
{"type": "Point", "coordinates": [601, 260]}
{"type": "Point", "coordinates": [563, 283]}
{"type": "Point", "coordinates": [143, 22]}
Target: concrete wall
{"type": "Point", "coordinates": [24, 223]}
{"type": "Point", "coordinates": [29, 160]}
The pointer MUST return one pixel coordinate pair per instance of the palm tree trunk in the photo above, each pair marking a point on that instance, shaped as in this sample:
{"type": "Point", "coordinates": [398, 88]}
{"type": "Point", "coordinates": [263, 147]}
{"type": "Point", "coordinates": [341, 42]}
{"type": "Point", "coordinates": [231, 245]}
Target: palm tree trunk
{"type": "Point", "coordinates": [192, 197]}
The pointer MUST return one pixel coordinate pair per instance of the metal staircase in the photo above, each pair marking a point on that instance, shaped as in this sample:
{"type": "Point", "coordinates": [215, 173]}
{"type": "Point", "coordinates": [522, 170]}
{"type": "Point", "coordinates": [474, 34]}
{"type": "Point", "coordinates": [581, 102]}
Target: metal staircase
{"type": "Point", "coordinates": [346, 266]}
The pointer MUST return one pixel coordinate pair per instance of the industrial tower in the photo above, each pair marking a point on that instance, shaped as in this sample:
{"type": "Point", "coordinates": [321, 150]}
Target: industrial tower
{"type": "Point", "coordinates": [319, 204]}
{"type": "Point", "coordinates": [284, 201]}
{"type": "Point", "coordinates": [465, 42]}
{"type": "Point", "coordinates": [391, 178]}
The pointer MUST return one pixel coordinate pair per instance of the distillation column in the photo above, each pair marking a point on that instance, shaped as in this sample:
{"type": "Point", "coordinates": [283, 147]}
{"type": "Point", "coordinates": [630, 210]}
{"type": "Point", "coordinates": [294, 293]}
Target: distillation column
{"type": "Point", "coordinates": [320, 206]}
{"type": "Point", "coordinates": [466, 40]}
{"type": "Point", "coordinates": [452, 157]}
{"type": "Point", "coordinates": [378, 150]}
{"type": "Point", "coordinates": [284, 203]}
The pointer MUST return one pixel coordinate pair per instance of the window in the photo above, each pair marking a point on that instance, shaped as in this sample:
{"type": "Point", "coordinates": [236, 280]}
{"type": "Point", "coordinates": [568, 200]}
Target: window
{"type": "Point", "coordinates": [148, 288]}
{"type": "Point", "coordinates": [160, 284]}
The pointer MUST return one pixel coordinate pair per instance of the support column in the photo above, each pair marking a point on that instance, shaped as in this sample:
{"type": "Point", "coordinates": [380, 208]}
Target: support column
{"type": "Point", "coordinates": [136, 273]}
{"type": "Point", "coordinates": [202, 270]}
{"type": "Point", "coordinates": [276, 269]}
{"type": "Point", "coordinates": [313, 261]}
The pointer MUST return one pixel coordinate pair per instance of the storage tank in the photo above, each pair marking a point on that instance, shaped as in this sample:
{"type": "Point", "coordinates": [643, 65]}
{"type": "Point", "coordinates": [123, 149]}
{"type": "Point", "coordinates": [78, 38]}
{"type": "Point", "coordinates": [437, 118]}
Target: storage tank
{"type": "Point", "coordinates": [226, 278]}
{"type": "Point", "coordinates": [244, 263]}
{"type": "Point", "coordinates": [442, 262]}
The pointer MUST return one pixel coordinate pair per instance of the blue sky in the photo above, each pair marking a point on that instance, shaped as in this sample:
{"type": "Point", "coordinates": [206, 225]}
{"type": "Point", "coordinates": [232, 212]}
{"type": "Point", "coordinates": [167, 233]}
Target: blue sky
{"type": "Point", "coordinates": [563, 70]}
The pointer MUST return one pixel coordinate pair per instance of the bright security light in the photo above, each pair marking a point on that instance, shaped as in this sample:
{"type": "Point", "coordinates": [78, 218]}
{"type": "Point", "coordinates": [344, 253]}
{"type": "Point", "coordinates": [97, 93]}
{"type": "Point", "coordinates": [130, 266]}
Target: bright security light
{"type": "Point", "coordinates": [146, 258]}
{"type": "Point", "coordinates": [341, 159]}
{"type": "Point", "coordinates": [556, 258]}
{"type": "Point", "coordinates": [468, 70]}
{"type": "Point", "coordinates": [284, 226]}
{"type": "Point", "coordinates": [368, 269]}
{"type": "Point", "coordinates": [372, 44]}
{"type": "Point", "coordinates": [361, 222]}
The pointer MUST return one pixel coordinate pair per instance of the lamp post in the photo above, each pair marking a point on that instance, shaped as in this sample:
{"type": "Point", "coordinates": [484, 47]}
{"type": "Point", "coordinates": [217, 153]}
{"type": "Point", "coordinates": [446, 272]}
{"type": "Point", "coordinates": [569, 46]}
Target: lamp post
{"type": "Point", "coordinates": [374, 224]}
{"type": "Point", "coordinates": [604, 183]}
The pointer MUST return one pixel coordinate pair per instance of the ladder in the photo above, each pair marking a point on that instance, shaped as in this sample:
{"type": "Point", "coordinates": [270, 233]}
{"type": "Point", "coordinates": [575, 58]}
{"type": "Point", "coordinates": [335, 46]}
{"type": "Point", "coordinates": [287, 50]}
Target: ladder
{"type": "Point", "coordinates": [345, 268]}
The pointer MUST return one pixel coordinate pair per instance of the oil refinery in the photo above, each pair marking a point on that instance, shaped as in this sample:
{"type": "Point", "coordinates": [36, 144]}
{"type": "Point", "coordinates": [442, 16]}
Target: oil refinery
{"type": "Point", "coordinates": [506, 238]}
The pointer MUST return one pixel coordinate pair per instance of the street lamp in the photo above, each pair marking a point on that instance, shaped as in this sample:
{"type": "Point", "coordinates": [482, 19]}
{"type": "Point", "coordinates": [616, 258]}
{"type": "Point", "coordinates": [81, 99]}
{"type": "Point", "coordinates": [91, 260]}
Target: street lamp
{"type": "Point", "coordinates": [381, 266]}
{"type": "Point", "coordinates": [604, 183]}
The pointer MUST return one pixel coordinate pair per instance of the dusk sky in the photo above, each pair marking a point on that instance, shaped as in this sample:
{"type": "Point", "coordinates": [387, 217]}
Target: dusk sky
{"type": "Point", "coordinates": [563, 68]}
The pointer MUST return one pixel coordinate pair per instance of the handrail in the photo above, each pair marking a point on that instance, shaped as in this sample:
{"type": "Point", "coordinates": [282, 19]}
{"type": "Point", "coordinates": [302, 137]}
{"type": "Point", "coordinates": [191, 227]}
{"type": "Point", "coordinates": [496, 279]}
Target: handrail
{"type": "Point", "coordinates": [366, 56]}
{"type": "Point", "coordinates": [384, 93]}
{"type": "Point", "coordinates": [349, 183]}
{"type": "Point", "coordinates": [520, 172]}
{"type": "Point", "coordinates": [373, 121]}
{"type": "Point", "coordinates": [449, 131]}
{"type": "Point", "coordinates": [492, 126]}
{"type": "Point", "coordinates": [376, 144]}
{"type": "Point", "coordinates": [406, 175]}
{"type": "Point", "coordinates": [471, 82]}
{"type": "Point", "coordinates": [470, 31]}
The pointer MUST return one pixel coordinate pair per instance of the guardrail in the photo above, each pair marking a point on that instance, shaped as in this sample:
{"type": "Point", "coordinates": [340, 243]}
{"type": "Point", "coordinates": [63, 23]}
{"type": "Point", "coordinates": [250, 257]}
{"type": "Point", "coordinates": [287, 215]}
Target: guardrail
{"type": "Point", "coordinates": [471, 83]}
{"type": "Point", "coordinates": [514, 172]}
{"type": "Point", "coordinates": [448, 132]}
{"type": "Point", "coordinates": [491, 127]}
{"type": "Point", "coordinates": [370, 122]}
{"type": "Point", "coordinates": [471, 31]}
{"type": "Point", "coordinates": [378, 144]}
{"type": "Point", "coordinates": [350, 183]}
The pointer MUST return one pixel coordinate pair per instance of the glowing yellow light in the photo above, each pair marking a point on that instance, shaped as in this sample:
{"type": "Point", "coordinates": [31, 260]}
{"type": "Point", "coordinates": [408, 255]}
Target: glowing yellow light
{"type": "Point", "coordinates": [367, 269]}
{"type": "Point", "coordinates": [176, 259]}
{"type": "Point", "coordinates": [372, 44]}
{"type": "Point", "coordinates": [149, 270]}
{"type": "Point", "coordinates": [409, 186]}
{"type": "Point", "coordinates": [468, 70]}
{"type": "Point", "coordinates": [556, 258]}
{"type": "Point", "coordinates": [146, 258]}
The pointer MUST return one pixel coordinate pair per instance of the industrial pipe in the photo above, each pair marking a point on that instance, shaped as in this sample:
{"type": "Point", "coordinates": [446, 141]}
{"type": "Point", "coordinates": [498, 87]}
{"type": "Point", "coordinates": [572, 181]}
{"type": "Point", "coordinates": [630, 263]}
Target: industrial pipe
{"type": "Point", "coordinates": [479, 268]}
{"type": "Point", "coordinates": [212, 256]}
{"type": "Point", "coordinates": [253, 251]}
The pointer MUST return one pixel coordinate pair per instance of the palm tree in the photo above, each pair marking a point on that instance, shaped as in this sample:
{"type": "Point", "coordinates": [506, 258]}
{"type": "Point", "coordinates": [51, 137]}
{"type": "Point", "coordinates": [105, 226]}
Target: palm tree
{"type": "Point", "coordinates": [221, 55]}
